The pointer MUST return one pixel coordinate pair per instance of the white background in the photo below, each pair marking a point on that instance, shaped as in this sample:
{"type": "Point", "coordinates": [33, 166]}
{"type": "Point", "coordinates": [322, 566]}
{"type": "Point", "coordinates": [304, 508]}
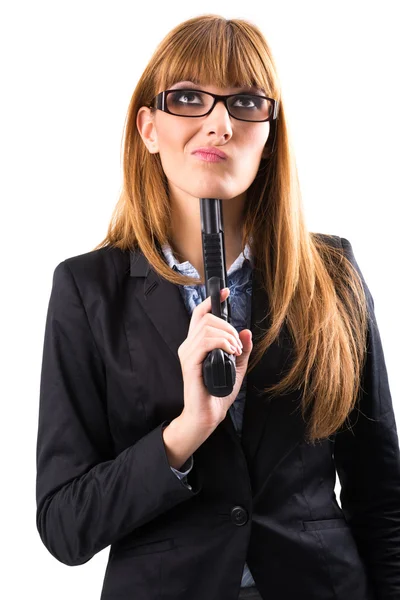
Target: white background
{"type": "Point", "coordinates": [68, 71]}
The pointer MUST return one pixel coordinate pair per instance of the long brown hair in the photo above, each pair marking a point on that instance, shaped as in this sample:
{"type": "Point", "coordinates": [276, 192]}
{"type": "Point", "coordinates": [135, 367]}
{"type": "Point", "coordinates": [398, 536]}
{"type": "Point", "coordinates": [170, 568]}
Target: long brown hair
{"type": "Point", "coordinates": [312, 287]}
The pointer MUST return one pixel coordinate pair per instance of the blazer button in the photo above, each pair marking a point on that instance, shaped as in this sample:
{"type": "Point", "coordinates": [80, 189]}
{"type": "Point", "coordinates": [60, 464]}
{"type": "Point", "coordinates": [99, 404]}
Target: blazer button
{"type": "Point", "coordinates": [239, 515]}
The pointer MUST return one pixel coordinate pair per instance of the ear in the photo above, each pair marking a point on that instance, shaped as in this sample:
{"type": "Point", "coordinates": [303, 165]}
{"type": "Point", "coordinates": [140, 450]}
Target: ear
{"type": "Point", "coordinates": [147, 129]}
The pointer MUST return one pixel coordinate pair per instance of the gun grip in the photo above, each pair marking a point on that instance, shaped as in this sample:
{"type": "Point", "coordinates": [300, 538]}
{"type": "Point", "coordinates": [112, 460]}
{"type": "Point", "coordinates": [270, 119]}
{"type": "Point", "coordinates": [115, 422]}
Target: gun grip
{"type": "Point", "coordinates": [219, 373]}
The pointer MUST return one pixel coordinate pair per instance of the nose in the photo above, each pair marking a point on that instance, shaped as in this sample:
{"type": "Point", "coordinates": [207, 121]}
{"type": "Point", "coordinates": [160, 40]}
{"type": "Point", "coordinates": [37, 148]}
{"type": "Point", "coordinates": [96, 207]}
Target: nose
{"type": "Point", "coordinates": [219, 121]}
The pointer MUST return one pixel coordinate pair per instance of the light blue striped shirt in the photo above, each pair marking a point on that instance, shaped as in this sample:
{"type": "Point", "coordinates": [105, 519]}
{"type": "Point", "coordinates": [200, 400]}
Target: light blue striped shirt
{"type": "Point", "coordinates": [239, 281]}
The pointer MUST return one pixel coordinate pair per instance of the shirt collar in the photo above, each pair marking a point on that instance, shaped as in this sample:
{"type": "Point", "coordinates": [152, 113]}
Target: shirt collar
{"type": "Point", "coordinates": [187, 268]}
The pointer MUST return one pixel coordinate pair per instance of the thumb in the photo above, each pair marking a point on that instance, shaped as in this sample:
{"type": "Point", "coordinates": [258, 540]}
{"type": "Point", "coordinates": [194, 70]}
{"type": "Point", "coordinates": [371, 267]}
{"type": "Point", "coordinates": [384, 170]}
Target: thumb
{"type": "Point", "coordinates": [246, 339]}
{"type": "Point", "coordinates": [243, 359]}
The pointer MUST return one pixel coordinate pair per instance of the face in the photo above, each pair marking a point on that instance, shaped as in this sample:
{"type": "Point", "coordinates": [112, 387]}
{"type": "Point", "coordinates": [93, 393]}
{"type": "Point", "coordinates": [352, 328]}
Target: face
{"type": "Point", "coordinates": [176, 138]}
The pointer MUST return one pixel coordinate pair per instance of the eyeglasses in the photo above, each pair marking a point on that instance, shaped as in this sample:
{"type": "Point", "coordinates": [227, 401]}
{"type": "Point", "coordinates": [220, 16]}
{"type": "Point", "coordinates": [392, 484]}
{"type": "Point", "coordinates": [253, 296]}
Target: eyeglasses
{"type": "Point", "coordinates": [196, 103]}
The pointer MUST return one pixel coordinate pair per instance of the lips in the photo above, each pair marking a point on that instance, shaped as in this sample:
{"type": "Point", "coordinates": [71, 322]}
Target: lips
{"type": "Point", "coordinates": [210, 150]}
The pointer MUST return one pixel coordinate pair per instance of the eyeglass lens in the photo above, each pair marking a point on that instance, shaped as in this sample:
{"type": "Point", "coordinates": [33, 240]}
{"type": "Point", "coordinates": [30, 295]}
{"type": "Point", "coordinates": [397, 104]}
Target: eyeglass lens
{"type": "Point", "coordinates": [195, 104]}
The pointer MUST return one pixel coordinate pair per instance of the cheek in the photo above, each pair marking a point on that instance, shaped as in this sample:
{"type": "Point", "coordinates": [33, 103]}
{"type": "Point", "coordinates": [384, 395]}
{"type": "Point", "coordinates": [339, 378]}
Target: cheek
{"type": "Point", "coordinates": [173, 134]}
{"type": "Point", "coordinates": [257, 137]}
{"type": "Point", "coordinates": [172, 148]}
{"type": "Point", "coordinates": [251, 151]}
{"type": "Point", "coordinates": [170, 152]}
{"type": "Point", "coordinates": [167, 142]}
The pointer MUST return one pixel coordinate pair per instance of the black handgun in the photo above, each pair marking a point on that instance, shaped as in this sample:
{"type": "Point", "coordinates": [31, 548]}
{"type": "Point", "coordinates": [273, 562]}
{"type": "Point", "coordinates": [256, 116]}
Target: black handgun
{"type": "Point", "coordinates": [219, 367]}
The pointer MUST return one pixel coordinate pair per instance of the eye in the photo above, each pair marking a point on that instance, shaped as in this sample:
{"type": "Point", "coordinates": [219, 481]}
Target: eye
{"type": "Point", "coordinates": [247, 101]}
{"type": "Point", "coordinates": [186, 97]}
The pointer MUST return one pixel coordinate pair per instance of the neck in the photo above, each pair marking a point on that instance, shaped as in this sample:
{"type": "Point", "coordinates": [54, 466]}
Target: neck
{"type": "Point", "coordinates": [186, 242]}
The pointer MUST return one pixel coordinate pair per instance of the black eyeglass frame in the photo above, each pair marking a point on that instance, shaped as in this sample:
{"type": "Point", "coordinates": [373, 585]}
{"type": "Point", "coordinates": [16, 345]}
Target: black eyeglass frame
{"type": "Point", "coordinates": [160, 102]}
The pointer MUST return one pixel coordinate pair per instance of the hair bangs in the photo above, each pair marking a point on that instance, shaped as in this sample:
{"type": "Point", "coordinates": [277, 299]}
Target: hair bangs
{"type": "Point", "coordinates": [220, 55]}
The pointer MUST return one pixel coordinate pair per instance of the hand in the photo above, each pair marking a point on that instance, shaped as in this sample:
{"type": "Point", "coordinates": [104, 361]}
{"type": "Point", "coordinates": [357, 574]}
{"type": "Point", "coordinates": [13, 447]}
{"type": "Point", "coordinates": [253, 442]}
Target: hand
{"type": "Point", "coordinates": [207, 332]}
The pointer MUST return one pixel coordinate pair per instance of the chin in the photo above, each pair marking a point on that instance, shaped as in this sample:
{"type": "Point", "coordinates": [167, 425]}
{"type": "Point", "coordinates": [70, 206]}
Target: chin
{"type": "Point", "coordinates": [211, 191]}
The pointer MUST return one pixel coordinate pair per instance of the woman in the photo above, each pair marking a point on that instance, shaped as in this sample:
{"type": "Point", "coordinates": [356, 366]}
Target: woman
{"type": "Point", "coordinates": [206, 498]}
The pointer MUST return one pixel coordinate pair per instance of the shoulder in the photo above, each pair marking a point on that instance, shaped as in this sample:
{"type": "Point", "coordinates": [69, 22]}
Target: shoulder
{"type": "Point", "coordinates": [335, 241]}
{"type": "Point", "coordinates": [346, 250]}
{"type": "Point", "coordinates": [325, 241]}
{"type": "Point", "coordinates": [98, 269]}
{"type": "Point", "coordinates": [328, 239]}
{"type": "Point", "coordinates": [96, 261]}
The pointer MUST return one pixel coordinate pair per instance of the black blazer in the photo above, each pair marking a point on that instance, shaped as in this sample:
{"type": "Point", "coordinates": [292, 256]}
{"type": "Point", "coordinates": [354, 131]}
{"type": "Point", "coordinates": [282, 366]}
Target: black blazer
{"type": "Point", "coordinates": [111, 380]}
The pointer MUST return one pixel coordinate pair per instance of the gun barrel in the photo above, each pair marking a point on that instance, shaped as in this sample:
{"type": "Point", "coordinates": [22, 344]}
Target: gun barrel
{"type": "Point", "coordinates": [212, 233]}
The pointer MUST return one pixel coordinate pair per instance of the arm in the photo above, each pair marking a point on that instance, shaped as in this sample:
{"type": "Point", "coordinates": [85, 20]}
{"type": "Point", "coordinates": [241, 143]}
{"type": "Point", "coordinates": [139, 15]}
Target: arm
{"type": "Point", "coordinates": [88, 498]}
{"type": "Point", "coordinates": [367, 460]}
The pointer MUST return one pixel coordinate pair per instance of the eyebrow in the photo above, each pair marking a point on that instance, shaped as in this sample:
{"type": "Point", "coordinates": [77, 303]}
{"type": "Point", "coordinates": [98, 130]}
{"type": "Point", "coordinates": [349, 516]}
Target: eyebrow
{"type": "Point", "coordinates": [187, 84]}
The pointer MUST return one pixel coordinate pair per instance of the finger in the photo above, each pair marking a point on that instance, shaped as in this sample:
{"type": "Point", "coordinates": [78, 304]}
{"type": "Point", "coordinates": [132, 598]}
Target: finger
{"type": "Point", "coordinates": [205, 307]}
{"type": "Point", "coordinates": [203, 345]}
{"type": "Point", "coordinates": [209, 332]}
{"type": "Point", "coordinates": [219, 324]}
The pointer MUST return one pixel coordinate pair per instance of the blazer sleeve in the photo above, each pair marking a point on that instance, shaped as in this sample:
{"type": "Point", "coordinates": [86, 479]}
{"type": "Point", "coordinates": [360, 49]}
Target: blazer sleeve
{"type": "Point", "coordinates": [87, 498]}
{"type": "Point", "coordinates": [367, 460]}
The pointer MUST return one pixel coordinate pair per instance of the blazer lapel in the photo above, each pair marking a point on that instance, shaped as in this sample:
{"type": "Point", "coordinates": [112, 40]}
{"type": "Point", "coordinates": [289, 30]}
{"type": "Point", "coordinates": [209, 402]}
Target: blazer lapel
{"type": "Point", "coordinates": [276, 418]}
{"type": "Point", "coordinates": [163, 303]}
